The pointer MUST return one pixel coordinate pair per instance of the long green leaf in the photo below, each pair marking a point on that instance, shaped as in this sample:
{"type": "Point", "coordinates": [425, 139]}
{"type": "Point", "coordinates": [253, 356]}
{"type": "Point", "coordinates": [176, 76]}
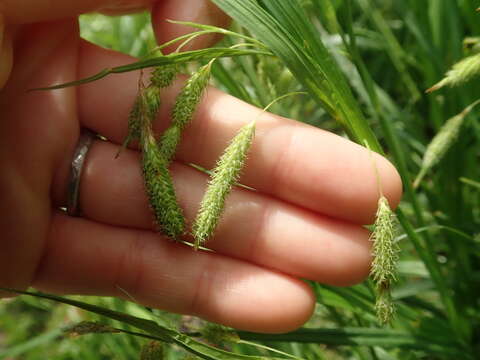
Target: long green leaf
{"type": "Point", "coordinates": [155, 330]}
{"type": "Point", "coordinates": [283, 26]}
{"type": "Point", "coordinates": [175, 58]}
{"type": "Point", "coordinates": [359, 336]}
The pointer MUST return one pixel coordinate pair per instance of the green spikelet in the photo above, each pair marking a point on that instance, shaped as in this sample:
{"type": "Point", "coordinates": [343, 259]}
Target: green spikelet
{"type": "Point", "coordinates": [442, 142]}
{"type": "Point", "coordinates": [151, 99]}
{"type": "Point", "coordinates": [384, 248]}
{"type": "Point", "coordinates": [189, 97]}
{"type": "Point", "coordinates": [223, 177]}
{"type": "Point", "coordinates": [159, 187]}
{"type": "Point", "coordinates": [384, 306]}
{"type": "Point", "coordinates": [153, 350]}
{"type": "Point", "coordinates": [169, 141]}
{"type": "Point", "coordinates": [163, 76]}
{"type": "Point", "coordinates": [158, 182]}
{"type": "Point", "coordinates": [460, 73]}
{"type": "Point", "coordinates": [385, 257]}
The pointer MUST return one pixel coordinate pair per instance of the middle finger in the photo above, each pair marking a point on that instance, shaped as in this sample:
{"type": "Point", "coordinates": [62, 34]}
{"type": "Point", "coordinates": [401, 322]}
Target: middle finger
{"type": "Point", "coordinates": [253, 227]}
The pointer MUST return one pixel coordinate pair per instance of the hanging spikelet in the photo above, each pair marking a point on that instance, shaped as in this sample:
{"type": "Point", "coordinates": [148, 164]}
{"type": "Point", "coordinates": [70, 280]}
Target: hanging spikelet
{"type": "Point", "coordinates": [160, 190]}
{"type": "Point", "coordinates": [223, 177]}
{"type": "Point", "coordinates": [158, 182]}
{"type": "Point", "coordinates": [189, 97]}
{"type": "Point", "coordinates": [442, 142]}
{"type": "Point", "coordinates": [460, 73]}
{"type": "Point", "coordinates": [168, 142]}
{"type": "Point", "coordinates": [162, 77]}
{"type": "Point", "coordinates": [385, 257]}
{"type": "Point", "coordinates": [183, 109]}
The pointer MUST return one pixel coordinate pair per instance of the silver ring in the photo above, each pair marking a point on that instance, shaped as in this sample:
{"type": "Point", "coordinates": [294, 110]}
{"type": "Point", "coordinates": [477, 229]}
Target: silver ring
{"type": "Point", "coordinates": [81, 150]}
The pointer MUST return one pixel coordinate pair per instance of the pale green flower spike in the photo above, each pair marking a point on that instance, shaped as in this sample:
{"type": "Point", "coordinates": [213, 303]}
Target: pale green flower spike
{"type": "Point", "coordinates": [189, 97]}
{"type": "Point", "coordinates": [152, 100]}
{"type": "Point", "coordinates": [442, 142]}
{"type": "Point", "coordinates": [385, 256]}
{"type": "Point", "coordinates": [183, 110]}
{"type": "Point", "coordinates": [169, 141]}
{"type": "Point", "coordinates": [163, 76]}
{"type": "Point", "coordinates": [384, 247]}
{"type": "Point", "coordinates": [158, 182]}
{"type": "Point", "coordinates": [384, 306]}
{"type": "Point", "coordinates": [460, 73]}
{"type": "Point", "coordinates": [159, 188]}
{"type": "Point", "coordinates": [223, 177]}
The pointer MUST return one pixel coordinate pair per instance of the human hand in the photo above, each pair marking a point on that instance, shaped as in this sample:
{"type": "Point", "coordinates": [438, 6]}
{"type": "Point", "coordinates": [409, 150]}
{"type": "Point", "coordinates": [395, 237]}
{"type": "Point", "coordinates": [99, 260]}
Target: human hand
{"type": "Point", "coordinates": [314, 189]}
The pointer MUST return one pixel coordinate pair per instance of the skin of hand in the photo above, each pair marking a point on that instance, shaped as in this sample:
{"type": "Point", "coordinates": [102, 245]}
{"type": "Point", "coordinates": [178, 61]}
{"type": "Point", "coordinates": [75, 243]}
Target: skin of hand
{"type": "Point", "coordinates": [314, 189]}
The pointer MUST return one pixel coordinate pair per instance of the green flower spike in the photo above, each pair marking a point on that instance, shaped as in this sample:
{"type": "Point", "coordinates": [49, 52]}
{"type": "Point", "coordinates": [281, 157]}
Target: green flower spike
{"type": "Point", "coordinates": [151, 97]}
{"type": "Point", "coordinates": [163, 76]}
{"type": "Point", "coordinates": [442, 142]}
{"type": "Point", "coordinates": [183, 110]}
{"type": "Point", "coordinates": [385, 256]}
{"type": "Point", "coordinates": [189, 97]}
{"type": "Point", "coordinates": [462, 72]}
{"type": "Point", "coordinates": [223, 177]}
{"type": "Point", "coordinates": [158, 182]}
{"type": "Point", "coordinates": [160, 190]}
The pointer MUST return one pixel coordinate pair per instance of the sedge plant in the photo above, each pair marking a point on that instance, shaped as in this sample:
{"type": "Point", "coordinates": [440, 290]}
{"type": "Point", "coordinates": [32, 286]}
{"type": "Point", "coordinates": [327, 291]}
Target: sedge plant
{"type": "Point", "coordinates": [366, 66]}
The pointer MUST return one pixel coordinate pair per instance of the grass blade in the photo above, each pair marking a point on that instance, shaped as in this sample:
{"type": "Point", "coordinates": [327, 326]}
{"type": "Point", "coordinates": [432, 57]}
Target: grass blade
{"type": "Point", "coordinates": [161, 333]}
{"type": "Point", "coordinates": [358, 336]}
{"type": "Point", "coordinates": [283, 26]}
{"type": "Point", "coordinates": [175, 58]}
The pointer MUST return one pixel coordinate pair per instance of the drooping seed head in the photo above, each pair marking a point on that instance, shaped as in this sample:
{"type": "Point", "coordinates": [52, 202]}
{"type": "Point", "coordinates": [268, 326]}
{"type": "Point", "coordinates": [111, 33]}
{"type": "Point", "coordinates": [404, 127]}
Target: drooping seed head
{"type": "Point", "coordinates": [190, 95]}
{"type": "Point", "coordinates": [160, 189]}
{"type": "Point", "coordinates": [442, 142]}
{"type": "Point", "coordinates": [168, 142]}
{"type": "Point", "coordinates": [460, 73]}
{"type": "Point", "coordinates": [223, 177]}
{"type": "Point", "coordinates": [163, 76]}
{"type": "Point", "coordinates": [148, 101]}
{"type": "Point", "coordinates": [385, 256]}
{"type": "Point", "coordinates": [384, 305]}
{"type": "Point", "coordinates": [385, 250]}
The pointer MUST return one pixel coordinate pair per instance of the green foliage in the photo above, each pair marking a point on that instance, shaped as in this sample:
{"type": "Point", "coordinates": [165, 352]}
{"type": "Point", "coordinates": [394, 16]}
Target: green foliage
{"type": "Point", "coordinates": [385, 256]}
